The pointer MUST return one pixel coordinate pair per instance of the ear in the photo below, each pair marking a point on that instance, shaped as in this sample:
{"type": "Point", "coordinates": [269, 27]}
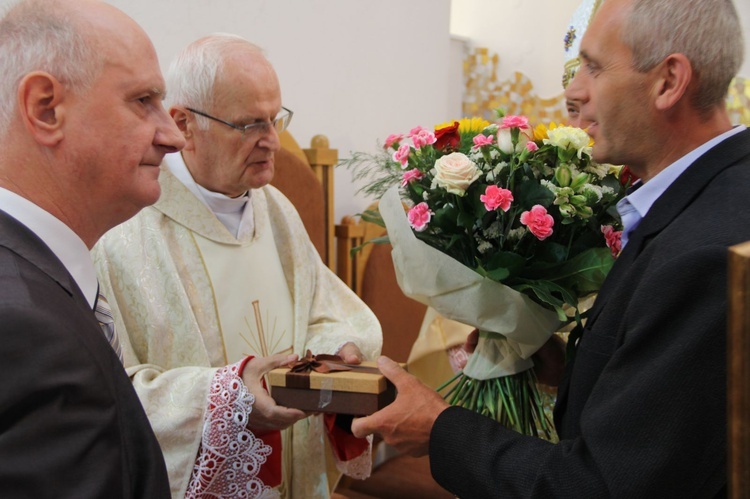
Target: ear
{"type": "Point", "coordinates": [40, 96]}
{"type": "Point", "coordinates": [185, 122]}
{"type": "Point", "coordinates": [674, 76]}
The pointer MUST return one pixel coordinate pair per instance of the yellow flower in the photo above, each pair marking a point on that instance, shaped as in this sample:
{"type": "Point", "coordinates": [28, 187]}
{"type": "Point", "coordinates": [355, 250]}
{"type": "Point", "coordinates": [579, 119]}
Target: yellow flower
{"type": "Point", "coordinates": [467, 125]}
{"type": "Point", "coordinates": [472, 125]}
{"type": "Point", "coordinates": [541, 131]}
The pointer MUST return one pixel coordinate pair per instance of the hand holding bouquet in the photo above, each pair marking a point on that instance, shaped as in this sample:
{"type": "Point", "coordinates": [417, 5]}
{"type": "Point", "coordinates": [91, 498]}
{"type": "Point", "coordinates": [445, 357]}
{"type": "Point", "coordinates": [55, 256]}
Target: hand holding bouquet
{"type": "Point", "coordinates": [507, 228]}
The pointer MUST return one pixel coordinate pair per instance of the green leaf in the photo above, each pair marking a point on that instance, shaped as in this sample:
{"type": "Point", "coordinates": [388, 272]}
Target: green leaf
{"type": "Point", "coordinates": [446, 218]}
{"type": "Point", "coordinates": [374, 240]}
{"type": "Point", "coordinates": [499, 274]}
{"type": "Point", "coordinates": [511, 262]}
{"type": "Point", "coordinates": [533, 193]}
{"type": "Point", "coordinates": [474, 194]}
{"type": "Point", "coordinates": [586, 271]}
{"type": "Point", "coordinates": [416, 188]}
{"type": "Point", "coordinates": [465, 220]}
{"type": "Point", "coordinates": [372, 216]}
{"type": "Point", "coordinates": [550, 252]}
{"type": "Point", "coordinates": [547, 293]}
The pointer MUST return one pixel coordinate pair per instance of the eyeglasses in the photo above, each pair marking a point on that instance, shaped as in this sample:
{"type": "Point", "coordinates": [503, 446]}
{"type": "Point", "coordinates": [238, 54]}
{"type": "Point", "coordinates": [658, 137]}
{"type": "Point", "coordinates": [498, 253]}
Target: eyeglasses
{"type": "Point", "coordinates": [279, 123]}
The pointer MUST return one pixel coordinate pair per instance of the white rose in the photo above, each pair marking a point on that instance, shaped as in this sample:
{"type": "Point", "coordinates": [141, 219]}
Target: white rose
{"type": "Point", "coordinates": [505, 142]}
{"type": "Point", "coordinates": [455, 172]}
{"type": "Point", "coordinates": [568, 137]}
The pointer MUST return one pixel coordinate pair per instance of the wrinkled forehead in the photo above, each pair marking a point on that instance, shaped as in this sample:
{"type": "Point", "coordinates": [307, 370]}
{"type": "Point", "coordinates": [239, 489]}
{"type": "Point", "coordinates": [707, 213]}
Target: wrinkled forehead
{"type": "Point", "coordinates": [248, 80]}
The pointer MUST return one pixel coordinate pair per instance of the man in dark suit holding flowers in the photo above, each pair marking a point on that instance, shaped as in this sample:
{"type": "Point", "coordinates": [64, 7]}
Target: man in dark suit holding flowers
{"type": "Point", "coordinates": [641, 408]}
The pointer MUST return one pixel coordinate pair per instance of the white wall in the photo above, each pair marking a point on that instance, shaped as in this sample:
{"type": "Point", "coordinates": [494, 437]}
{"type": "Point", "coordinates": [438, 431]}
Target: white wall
{"type": "Point", "coordinates": [353, 70]}
{"type": "Point", "coordinates": [358, 70]}
{"type": "Point", "coordinates": [528, 35]}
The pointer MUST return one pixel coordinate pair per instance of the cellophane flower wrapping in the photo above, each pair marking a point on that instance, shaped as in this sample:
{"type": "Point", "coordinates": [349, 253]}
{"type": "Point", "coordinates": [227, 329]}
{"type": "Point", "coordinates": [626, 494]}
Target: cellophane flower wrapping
{"type": "Point", "coordinates": [459, 293]}
{"type": "Point", "coordinates": [506, 228]}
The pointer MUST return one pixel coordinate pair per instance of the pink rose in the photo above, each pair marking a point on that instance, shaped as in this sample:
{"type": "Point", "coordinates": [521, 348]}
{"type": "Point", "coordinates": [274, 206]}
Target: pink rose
{"type": "Point", "coordinates": [515, 122]}
{"type": "Point", "coordinates": [393, 138]}
{"type": "Point", "coordinates": [414, 131]}
{"type": "Point", "coordinates": [402, 155]}
{"type": "Point", "coordinates": [419, 217]}
{"type": "Point", "coordinates": [495, 197]}
{"type": "Point", "coordinates": [423, 138]}
{"type": "Point", "coordinates": [411, 176]}
{"type": "Point", "coordinates": [531, 146]}
{"type": "Point", "coordinates": [482, 140]}
{"type": "Point", "coordinates": [612, 237]}
{"type": "Point", "coordinates": [538, 221]}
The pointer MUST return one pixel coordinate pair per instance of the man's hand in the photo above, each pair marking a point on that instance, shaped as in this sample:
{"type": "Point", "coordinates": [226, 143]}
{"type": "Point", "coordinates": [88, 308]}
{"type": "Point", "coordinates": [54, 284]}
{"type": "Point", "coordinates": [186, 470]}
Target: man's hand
{"type": "Point", "coordinates": [266, 415]}
{"type": "Point", "coordinates": [350, 353]}
{"type": "Point", "coordinates": [549, 361]}
{"type": "Point", "coordinates": [407, 422]}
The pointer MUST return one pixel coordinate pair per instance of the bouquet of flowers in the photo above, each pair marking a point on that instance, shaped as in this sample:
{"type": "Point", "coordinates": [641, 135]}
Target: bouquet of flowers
{"type": "Point", "coordinates": [507, 228]}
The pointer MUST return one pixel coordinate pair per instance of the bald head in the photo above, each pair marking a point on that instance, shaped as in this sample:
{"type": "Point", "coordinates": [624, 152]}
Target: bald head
{"type": "Point", "coordinates": [82, 125]}
{"type": "Point", "coordinates": [54, 36]}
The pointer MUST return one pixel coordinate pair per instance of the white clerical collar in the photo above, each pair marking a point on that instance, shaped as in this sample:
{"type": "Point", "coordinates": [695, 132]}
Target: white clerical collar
{"type": "Point", "coordinates": [234, 213]}
{"type": "Point", "coordinates": [67, 246]}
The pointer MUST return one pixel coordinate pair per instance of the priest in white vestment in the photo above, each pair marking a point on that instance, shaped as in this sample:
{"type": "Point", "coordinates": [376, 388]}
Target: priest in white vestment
{"type": "Point", "coordinates": [221, 270]}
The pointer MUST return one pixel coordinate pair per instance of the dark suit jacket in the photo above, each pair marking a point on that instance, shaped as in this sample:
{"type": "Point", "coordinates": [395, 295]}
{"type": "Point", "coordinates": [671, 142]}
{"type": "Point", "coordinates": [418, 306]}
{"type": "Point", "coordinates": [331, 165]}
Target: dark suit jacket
{"type": "Point", "coordinates": [641, 410]}
{"type": "Point", "coordinates": [71, 424]}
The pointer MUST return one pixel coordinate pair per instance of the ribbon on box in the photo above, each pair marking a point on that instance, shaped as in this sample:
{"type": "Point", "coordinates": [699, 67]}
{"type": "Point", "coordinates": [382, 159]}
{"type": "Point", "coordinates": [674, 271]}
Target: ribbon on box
{"type": "Point", "coordinates": [345, 446]}
{"type": "Point", "coordinates": [299, 372]}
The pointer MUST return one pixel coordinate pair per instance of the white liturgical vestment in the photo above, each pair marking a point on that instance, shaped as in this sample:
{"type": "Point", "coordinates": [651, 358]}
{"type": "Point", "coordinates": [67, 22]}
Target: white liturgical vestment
{"type": "Point", "coordinates": [255, 315]}
{"type": "Point", "coordinates": [190, 299]}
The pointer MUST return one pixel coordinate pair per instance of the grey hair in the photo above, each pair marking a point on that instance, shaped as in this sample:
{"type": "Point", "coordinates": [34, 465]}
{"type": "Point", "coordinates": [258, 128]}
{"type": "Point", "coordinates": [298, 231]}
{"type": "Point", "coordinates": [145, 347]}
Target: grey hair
{"type": "Point", "coordinates": [192, 75]}
{"type": "Point", "coordinates": [707, 32]}
{"type": "Point", "coordinates": [43, 35]}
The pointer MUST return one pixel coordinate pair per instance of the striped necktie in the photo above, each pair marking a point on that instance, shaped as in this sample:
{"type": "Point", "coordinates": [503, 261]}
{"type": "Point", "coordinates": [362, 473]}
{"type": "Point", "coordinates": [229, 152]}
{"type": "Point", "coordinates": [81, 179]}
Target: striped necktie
{"type": "Point", "coordinates": [107, 322]}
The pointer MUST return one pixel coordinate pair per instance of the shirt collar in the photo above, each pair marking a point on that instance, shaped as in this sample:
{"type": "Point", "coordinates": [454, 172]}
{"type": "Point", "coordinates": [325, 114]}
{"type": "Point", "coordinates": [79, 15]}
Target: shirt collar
{"type": "Point", "coordinates": [67, 246]}
{"type": "Point", "coordinates": [228, 210]}
{"type": "Point", "coordinates": [644, 197]}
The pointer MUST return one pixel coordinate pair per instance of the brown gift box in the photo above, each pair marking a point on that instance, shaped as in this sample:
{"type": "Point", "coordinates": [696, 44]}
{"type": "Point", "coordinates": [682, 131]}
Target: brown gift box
{"type": "Point", "coordinates": [358, 392]}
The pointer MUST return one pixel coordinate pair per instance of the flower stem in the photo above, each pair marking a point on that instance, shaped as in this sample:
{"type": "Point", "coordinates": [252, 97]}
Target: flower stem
{"type": "Point", "coordinates": [513, 401]}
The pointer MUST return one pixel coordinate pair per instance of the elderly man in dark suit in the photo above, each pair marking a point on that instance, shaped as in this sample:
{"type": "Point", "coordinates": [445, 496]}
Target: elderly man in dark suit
{"type": "Point", "coordinates": [641, 408]}
{"type": "Point", "coordinates": [82, 134]}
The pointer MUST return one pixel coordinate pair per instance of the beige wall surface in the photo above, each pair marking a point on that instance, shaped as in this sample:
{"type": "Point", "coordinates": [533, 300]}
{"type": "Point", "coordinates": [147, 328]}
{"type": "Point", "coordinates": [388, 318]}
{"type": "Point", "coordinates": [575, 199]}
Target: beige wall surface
{"type": "Point", "coordinates": [528, 35]}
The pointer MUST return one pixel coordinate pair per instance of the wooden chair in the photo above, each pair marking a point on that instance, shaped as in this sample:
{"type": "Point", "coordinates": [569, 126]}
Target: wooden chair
{"type": "Point", "coordinates": [738, 370]}
{"type": "Point", "coordinates": [305, 176]}
{"type": "Point", "coordinates": [369, 272]}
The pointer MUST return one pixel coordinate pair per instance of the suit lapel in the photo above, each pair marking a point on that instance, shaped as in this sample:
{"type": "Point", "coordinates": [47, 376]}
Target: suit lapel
{"type": "Point", "coordinates": [675, 199]}
{"type": "Point", "coordinates": [18, 238]}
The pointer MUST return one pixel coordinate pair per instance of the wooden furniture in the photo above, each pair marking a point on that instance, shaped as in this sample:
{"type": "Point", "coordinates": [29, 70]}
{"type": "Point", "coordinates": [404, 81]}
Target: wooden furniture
{"type": "Point", "coordinates": [738, 370]}
{"type": "Point", "coordinates": [369, 272]}
{"type": "Point", "coordinates": [305, 176]}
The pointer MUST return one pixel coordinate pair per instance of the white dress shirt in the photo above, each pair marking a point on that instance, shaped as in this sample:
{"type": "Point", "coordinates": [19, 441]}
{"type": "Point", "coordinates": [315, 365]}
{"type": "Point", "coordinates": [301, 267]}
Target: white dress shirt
{"type": "Point", "coordinates": [64, 243]}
